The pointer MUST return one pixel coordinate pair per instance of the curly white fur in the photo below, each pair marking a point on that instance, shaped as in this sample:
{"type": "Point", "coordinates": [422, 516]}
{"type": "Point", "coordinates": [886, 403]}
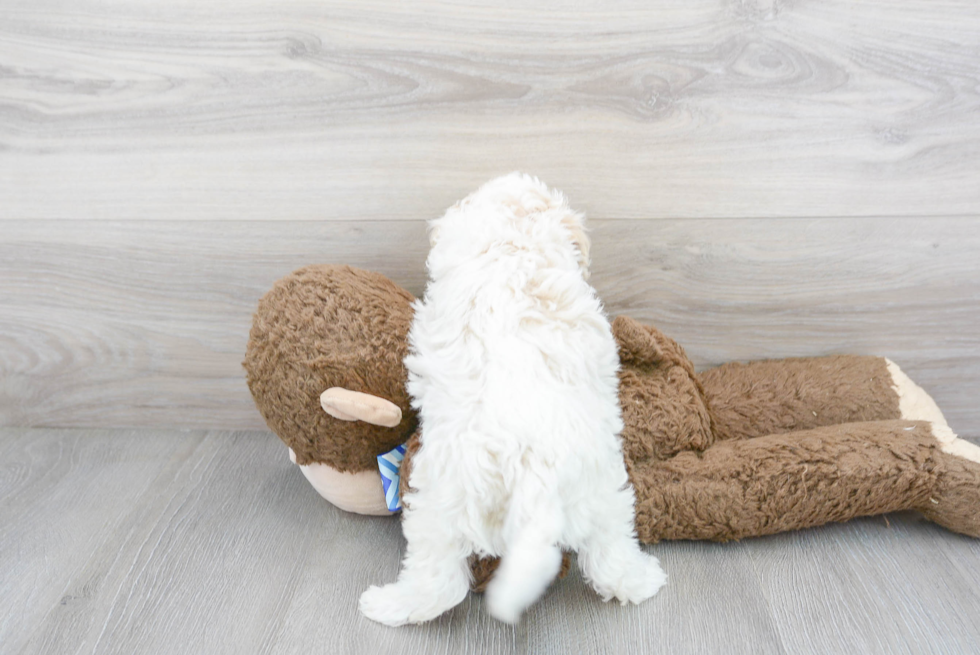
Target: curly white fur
{"type": "Point", "coordinates": [513, 370]}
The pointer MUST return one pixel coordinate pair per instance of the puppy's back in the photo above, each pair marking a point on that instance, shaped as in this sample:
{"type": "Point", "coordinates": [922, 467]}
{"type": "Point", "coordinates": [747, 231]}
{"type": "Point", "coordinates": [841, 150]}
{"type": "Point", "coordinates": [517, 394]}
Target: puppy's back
{"type": "Point", "coordinates": [510, 347]}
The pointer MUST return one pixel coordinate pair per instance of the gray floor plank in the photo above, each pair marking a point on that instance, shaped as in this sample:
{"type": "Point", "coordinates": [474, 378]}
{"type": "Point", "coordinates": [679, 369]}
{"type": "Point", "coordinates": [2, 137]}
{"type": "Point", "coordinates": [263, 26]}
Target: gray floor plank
{"type": "Point", "coordinates": [69, 502]}
{"type": "Point", "coordinates": [175, 541]}
{"type": "Point", "coordinates": [194, 572]}
{"type": "Point", "coordinates": [878, 585]}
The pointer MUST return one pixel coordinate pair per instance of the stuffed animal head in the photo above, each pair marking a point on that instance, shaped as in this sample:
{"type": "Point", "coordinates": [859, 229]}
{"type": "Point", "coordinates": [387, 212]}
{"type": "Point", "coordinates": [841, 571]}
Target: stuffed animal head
{"type": "Point", "coordinates": [324, 365]}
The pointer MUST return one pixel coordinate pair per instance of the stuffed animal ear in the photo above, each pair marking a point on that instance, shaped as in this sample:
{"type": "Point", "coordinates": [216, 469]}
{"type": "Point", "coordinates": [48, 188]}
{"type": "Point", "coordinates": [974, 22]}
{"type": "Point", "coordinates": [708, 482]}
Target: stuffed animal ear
{"type": "Point", "coordinates": [349, 405]}
{"type": "Point", "coordinates": [636, 343]}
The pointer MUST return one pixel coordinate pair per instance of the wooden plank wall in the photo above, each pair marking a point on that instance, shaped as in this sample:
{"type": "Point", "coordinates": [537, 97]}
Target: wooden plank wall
{"type": "Point", "coordinates": [764, 178]}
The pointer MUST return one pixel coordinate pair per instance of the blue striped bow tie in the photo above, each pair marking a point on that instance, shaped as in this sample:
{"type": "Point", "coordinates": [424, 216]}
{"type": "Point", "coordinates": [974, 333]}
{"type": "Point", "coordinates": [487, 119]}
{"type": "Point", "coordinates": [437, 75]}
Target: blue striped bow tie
{"type": "Point", "coordinates": [389, 463]}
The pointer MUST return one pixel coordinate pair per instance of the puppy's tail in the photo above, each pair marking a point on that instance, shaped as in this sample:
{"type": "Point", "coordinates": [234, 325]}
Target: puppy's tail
{"type": "Point", "coordinates": [533, 558]}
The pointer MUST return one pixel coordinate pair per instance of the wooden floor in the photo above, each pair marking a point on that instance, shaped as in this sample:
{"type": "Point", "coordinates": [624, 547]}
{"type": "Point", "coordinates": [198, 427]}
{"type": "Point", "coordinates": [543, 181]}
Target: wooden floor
{"type": "Point", "coordinates": [212, 542]}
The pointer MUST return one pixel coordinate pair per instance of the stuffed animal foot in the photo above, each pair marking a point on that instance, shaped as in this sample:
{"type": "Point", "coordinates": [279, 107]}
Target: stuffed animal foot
{"type": "Point", "coordinates": [955, 503]}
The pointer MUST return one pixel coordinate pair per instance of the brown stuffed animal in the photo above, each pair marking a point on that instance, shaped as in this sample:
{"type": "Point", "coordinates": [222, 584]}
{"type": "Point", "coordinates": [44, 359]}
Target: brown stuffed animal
{"type": "Point", "coordinates": [736, 451]}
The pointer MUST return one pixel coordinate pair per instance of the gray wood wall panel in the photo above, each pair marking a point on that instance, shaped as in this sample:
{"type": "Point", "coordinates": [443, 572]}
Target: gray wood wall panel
{"type": "Point", "coordinates": [193, 542]}
{"type": "Point", "coordinates": [144, 323]}
{"type": "Point", "coordinates": [328, 110]}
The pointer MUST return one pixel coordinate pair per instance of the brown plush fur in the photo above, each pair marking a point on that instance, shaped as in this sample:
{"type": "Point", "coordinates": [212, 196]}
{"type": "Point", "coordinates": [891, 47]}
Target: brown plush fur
{"type": "Point", "coordinates": [955, 501]}
{"type": "Point", "coordinates": [662, 400]}
{"type": "Point", "coordinates": [770, 397]}
{"type": "Point", "coordinates": [742, 488]}
{"type": "Point", "coordinates": [740, 450]}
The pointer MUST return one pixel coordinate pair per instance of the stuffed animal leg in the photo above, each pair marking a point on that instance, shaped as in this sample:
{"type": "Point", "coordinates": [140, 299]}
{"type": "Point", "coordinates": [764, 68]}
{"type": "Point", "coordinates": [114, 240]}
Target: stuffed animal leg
{"type": "Point", "coordinates": [751, 400]}
{"type": "Point", "coordinates": [668, 408]}
{"type": "Point", "coordinates": [747, 487]}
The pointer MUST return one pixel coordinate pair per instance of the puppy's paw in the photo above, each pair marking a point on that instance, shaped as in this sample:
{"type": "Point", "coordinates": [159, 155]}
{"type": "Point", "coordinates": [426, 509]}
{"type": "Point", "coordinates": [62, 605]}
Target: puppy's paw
{"type": "Point", "coordinates": [391, 605]}
{"type": "Point", "coordinates": [400, 603]}
{"type": "Point", "coordinates": [639, 578]}
{"type": "Point", "coordinates": [644, 583]}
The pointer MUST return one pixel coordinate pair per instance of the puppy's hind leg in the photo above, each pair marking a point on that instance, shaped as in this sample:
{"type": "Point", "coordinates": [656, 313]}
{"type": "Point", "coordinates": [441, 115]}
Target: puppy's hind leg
{"type": "Point", "coordinates": [610, 556]}
{"type": "Point", "coordinates": [435, 575]}
{"type": "Point", "coordinates": [533, 558]}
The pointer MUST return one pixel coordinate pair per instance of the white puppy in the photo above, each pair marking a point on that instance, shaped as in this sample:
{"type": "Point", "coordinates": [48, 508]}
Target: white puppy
{"type": "Point", "coordinates": [513, 370]}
